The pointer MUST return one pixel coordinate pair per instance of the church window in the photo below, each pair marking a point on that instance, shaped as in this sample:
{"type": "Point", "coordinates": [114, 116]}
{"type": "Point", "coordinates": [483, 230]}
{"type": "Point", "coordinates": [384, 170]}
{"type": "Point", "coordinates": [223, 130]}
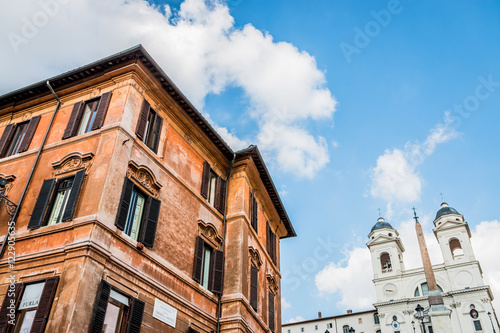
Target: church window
{"type": "Point", "coordinates": [425, 290]}
{"type": "Point", "coordinates": [345, 329]}
{"type": "Point", "coordinates": [376, 319]}
{"type": "Point", "coordinates": [385, 262]}
{"type": "Point", "coordinates": [477, 325]}
{"type": "Point", "coordinates": [456, 248]}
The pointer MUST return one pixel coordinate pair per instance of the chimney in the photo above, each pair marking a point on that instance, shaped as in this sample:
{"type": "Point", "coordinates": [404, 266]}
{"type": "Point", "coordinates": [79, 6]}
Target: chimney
{"type": "Point", "coordinates": [349, 311]}
{"type": "Point", "coordinates": [319, 314]}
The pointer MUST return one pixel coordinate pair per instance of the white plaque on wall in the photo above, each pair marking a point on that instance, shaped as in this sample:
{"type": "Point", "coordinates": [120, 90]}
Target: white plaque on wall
{"type": "Point", "coordinates": [164, 312]}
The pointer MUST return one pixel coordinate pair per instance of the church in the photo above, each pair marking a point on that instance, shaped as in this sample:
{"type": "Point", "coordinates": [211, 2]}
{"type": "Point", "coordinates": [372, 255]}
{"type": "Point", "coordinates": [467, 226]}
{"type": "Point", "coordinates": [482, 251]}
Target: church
{"type": "Point", "coordinates": [449, 297]}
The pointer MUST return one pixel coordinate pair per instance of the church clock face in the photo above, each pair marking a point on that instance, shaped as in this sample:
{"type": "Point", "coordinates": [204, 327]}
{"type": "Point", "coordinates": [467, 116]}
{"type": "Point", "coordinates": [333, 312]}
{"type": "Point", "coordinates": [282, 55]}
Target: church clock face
{"type": "Point", "coordinates": [390, 290]}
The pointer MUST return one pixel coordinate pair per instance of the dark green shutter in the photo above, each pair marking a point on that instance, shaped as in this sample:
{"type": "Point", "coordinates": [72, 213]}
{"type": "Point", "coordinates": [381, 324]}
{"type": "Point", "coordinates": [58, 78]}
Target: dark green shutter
{"type": "Point", "coordinates": [41, 203]}
{"type": "Point", "coordinates": [254, 277]}
{"type": "Point", "coordinates": [6, 138]}
{"type": "Point", "coordinates": [44, 305]}
{"type": "Point", "coordinates": [143, 120]}
{"type": "Point", "coordinates": [218, 271]}
{"type": "Point", "coordinates": [198, 258]}
{"type": "Point", "coordinates": [102, 109]}
{"type": "Point", "coordinates": [121, 218]}
{"type": "Point", "coordinates": [100, 307]}
{"type": "Point", "coordinates": [135, 318]}
{"type": "Point", "coordinates": [30, 132]}
{"type": "Point", "coordinates": [151, 221]}
{"type": "Point", "coordinates": [73, 196]}
{"type": "Point", "coordinates": [74, 120]}
{"type": "Point", "coordinates": [205, 179]}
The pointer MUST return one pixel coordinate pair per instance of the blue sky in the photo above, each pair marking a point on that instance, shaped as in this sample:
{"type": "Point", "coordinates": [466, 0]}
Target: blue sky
{"type": "Point", "coordinates": [357, 105]}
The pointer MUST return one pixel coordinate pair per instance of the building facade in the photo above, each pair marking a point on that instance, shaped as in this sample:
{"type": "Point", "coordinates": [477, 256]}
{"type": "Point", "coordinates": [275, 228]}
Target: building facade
{"type": "Point", "coordinates": [126, 211]}
{"type": "Point", "coordinates": [399, 290]}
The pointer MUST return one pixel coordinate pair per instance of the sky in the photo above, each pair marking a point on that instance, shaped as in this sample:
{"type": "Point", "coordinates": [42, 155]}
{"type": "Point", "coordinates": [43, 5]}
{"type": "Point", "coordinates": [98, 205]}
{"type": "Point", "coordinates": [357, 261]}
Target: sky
{"type": "Point", "coordinates": [355, 105]}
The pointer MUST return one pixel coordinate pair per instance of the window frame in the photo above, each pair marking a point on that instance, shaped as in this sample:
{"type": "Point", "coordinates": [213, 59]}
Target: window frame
{"type": "Point", "coordinates": [215, 266]}
{"type": "Point", "coordinates": [90, 121]}
{"type": "Point", "coordinates": [53, 199]}
{"type": "Point", "coordinates": [13, 144]}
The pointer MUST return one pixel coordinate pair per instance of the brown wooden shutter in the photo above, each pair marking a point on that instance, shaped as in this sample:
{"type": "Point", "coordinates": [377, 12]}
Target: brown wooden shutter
{"type": "Point", "coordinates": [74, 120]}
{"type": "Point", "coordinates": [100, 307]}
{"type": "Point", "coordinates": [254, 214]}
{"type": "Point", "coordinates": [218, 194]}
{"type": "Point", "coordinates": [198, 259]}
{"type": "Point", "coordinates": [254, 277]}
{"type": "Point", "coordinates": [6, 138]}
{"type": "Point", "coordinates": [11, 295]}
{"type": "Point", "coordinates": [44, 306]}
{"type": "Point", "coordinates": [135, 319]}
{"type": "Point", "coordinates": [143, 120]}
{"type": "Point", "coordinates": [149, 230]}
{"type": "Point", "coordinates": [157, 133]}
{"type": "Point", "coordinates": [121, 217]}
{"type": "Point", "coordinates": [41, 203]}
{"type": "Point", "coordinates": [221, 196]}
{"type": "Point", "coordinates": [205, 179]}
{"type": "Point", "coordinates": [271, 311]}
{"type": "Point", "coordinates": [268, 238]}
{"type": "Point", "coordinates": [73, 196]}
{"type": "Point", "coordinates": [28, 136]}
{"type": "Point", "coordinates": [102, 109]}
{"type": "Point", "coordinates": [192, 330]}
{"type": "Point", "coordinates": [218, 271]}
{"type": "Point", "coordinates": [274, 249]}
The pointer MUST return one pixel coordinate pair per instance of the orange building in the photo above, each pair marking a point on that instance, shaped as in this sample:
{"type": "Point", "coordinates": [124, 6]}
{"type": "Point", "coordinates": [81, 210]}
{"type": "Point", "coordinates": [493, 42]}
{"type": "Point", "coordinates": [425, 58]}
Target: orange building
{"type": "Point", "coordinates": [131, 214]}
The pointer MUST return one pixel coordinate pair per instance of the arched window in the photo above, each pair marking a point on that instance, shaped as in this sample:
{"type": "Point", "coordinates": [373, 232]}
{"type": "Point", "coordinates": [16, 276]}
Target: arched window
{"type": "Point", "coordinates": [379, 331]}
{"type": "Point", "coordinates": [425, 290]}
{"type": "Point", "coordinates": [376, 319]}
{"type": "Point", "coordinates": [385, 262]}
{"type": "Point", "coordinates": [456, 248]}
{"type": "Point", "coordinates": [345, 329]}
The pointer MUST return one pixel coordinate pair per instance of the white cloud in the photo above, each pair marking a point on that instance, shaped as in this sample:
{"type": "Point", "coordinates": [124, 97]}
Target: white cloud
{"type": "Point", "coordinates": [284, 304]}
{"type": "Point", "coordinates": [198, 46]}
{"type": "Point", "coordinates": [395, 178]}
{"type": "Point", "coordinates": [352, 278]}
{"type": "Point", "coordinates": [295, 320]}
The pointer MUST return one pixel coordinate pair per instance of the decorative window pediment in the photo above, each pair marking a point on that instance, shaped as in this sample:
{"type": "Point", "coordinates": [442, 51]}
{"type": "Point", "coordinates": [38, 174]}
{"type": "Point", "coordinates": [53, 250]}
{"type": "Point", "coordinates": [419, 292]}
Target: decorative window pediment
{"type": "Point", "coordinates": [144, 177]}
{"type": "Point", "coordinates": [72, 162]}
{"type": "Point", "coordinates": [209, 233]}
{"type": "Point", "coordinates": [272, 283]}
{"type": "Point", "coordinates": [255, 258]}
{"type": "Point", "coordinates": [10, 182]}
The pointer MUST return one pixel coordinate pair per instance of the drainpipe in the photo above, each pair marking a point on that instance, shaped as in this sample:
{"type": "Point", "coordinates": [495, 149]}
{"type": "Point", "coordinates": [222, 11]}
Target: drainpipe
{"type": "Point", "coordinates": [224, 220]}
{"type": "Point", "coordinates": [16, 212]}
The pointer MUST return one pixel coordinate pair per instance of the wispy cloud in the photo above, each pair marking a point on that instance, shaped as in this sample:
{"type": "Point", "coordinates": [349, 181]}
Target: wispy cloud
{"type": "Point", "coordinates": [200, 48]}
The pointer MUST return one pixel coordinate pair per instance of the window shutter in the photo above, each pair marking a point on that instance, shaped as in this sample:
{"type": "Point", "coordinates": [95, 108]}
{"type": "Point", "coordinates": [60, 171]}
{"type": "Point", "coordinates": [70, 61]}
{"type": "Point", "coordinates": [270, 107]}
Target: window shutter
{"type": "Point", "coordinates": [143, 120]}
{"type": "Point", "coordinates": [218, 272]}
{"type": "Point", "coordinates": [254, 276]}
{"type": "Point", "coordinates": [192, 330]}
{"type": "Point", "coordinates": [268, 238]}
{"type": "Point", "coordinates": [157, 131]}
{"type": "Point", "coordinates": [4, 311]}
{"type": "Point", "coordinates": [205, 179]}
{"type": "Point", "coordinates": [271, 311]}
{"type": "Point", "coordinates": [223, 185]}
{"type": "Point", "coordinates": [6, 138]}
{"type": "Point", "coordinates": [121, 218]}
{"type": "Point", "coordinates": [149, 230]}
{"type": "Point", "coordinates": [273, 239]}
{"type": "Point", "coordinates": [218, 194]}
{"type": "Point", "coordinates": [41, 203]}
{"type": "Point", "coordinates": [73, 196]}
{"type": "Point", "coordinates": [101, 304]}
{"type": "Point", "coordinates": [44, 306]}
{"type": "Point", "coordinates": [136, 312]}
{"type": "Point", "coordinates": [30, 132]}
{"type": "Point", "coordinates": [198, 258]}
{"type": "Point", "coordinates": [253, 218]}
{"type": "Point", "coordinates": [102, 109]}
{"type": "Point", "coordinates": [74, 120]}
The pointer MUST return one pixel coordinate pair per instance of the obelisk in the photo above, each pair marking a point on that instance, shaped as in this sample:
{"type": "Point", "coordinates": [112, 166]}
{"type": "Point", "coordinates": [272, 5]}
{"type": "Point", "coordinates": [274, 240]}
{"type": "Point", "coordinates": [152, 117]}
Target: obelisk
{"type": "Point", "coordinates": [440, 315]}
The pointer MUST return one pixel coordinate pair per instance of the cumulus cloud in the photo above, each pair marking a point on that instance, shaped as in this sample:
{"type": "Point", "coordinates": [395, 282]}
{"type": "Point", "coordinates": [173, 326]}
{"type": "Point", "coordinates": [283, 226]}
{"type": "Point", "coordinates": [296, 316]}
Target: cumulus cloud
{"type": "Point", "coordinates": [200, 48]}
{"type": "Point", "coordinates": [395, 178]}
{"type": "Point", "coordinates": [295, 320]}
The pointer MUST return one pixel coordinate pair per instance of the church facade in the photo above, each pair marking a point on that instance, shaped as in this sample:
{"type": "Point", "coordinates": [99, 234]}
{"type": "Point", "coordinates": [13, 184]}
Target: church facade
{"type": "Point", "coordinates": [466, 299]}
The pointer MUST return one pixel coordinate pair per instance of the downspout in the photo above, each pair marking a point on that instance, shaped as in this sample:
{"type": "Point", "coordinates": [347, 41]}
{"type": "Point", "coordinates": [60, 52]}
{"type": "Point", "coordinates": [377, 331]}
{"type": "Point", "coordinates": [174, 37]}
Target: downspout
{"type": "Point", "coordinates": [224, 220]}
{"type": "Point", "coordinates": [16, 212]}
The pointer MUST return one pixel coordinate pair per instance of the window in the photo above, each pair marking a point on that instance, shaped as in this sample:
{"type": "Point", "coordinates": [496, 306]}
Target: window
{"type": "Point", "coordinates": [425, 290]}
{"type": "Point", "coordinates": [254, 208]}
{"type": "Point", "coordinates": [208, 266]}
{"type": "Point", "coordinates": [271, 311]}
{"type": "Point", "coordinates": [138, 214]}
{"type": "Point", "coordinates": [16, 138]}
{"type": "Point", "coordinates": [345, 329]}
{"type": "Point", "coordinates": [31, 309]}
{"type": "Point", "coordinates": [360, 320]}
{"type": "Point", "coordinates": [329, 325]}
{"type": "Point", "coordinates": [56, 201]}
{"type": "Point", "coordinates": [115, 311]}
{"type": "Point", "coordinates": [87, 116]}
{"type": "Point", "coordinates": [385, 262]}
{"type": "Point", "coordinates": [379, 331]}
{"type": "Point", "coordinates": [213, 188]}
{"type": "Point", "coordinates": [271, 243]}
{"type": "Point", "coordinates": [254, 278]}
{"type": "Point", "coordinates": [302, 329]}
{"type": "Point", "coordinates": [149, 127]}
{"type": "Point", "coordinates": [456, 248]}
{"type": "Point", "coordinates": [376, 319]}
{"type": "Point", "coordinates": [316, 327]}
{"type": "Point", "coordinates": [477, 325]}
